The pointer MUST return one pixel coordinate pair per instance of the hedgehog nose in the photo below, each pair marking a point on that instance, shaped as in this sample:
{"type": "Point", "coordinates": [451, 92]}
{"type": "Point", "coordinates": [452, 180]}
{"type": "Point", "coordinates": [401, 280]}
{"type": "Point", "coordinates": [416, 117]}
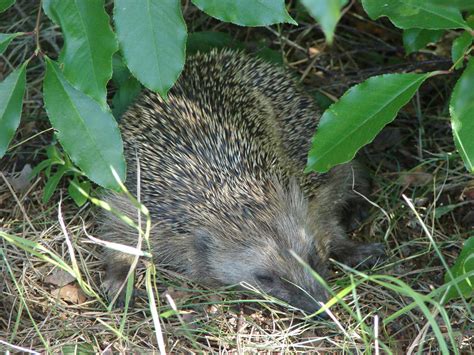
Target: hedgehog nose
{"type": "Point", "coordinates": [311, 309]}
{"type": "Point", "coordinates": [320, 316]}
{"type": "Point", "coordinates": [310, 306]}
{"type": "Point", "coordinates": [312, 303]}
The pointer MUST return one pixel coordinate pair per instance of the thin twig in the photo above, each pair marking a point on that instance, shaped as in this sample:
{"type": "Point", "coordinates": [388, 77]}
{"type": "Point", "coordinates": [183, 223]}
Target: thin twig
{"type": "Point", "coordinates": [30, 138]}
{"type": "Point", "coordinates": [12, 191]}
{"type": "Point", "coordinates": [421, 334]}
{"type": "Point", "coordinates": [376, 335]}
{"type": "Point", "coordinates": [37, 30]}
{"type": "Point", "coordinates": [18, 348]}
{"type": "Point", "coordinates": [290, 42]}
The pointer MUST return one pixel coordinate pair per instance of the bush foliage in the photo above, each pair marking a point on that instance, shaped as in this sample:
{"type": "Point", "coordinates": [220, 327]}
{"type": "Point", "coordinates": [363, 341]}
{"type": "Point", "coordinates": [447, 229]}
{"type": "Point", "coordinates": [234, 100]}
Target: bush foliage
{"type": "Point", "coordinates": [152, 38]}
{"type": "Point", "coordinates": [147, 46]}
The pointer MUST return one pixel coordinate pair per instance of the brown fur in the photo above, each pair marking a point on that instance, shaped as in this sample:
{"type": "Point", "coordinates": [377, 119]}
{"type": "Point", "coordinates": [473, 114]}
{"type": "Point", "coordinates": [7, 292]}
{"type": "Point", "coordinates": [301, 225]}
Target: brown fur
{"type": "Point", "coordinates": [222, 174]}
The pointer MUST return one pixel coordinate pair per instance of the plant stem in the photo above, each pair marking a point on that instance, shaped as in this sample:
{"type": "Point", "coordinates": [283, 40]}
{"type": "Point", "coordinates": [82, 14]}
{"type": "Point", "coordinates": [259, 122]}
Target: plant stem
{"type": "Point", "coordinates": [37, 30]}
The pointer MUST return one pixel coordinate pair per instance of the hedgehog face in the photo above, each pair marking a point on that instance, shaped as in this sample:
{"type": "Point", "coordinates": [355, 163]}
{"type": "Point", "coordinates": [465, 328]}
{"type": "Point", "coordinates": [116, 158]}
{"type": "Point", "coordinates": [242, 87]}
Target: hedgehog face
{"type": "Point", "coordinates": [282, 276]}
{"type": "Point", "coordinates": [257, 247]}
{"type": "Point", "coordinates": [264, 258]}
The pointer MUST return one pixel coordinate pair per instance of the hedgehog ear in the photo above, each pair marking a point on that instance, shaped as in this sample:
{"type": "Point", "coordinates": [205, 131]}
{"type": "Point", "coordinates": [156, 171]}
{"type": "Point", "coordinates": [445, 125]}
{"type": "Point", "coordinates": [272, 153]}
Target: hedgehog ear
{"type": "Point", "coordinates": [202, 240]}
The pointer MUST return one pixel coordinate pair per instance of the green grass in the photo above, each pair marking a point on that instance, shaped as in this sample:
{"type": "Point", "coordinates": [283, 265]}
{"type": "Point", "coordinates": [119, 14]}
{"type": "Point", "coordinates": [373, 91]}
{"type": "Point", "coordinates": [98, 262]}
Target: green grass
{"type": "Point", "coordinates": [419, 203]}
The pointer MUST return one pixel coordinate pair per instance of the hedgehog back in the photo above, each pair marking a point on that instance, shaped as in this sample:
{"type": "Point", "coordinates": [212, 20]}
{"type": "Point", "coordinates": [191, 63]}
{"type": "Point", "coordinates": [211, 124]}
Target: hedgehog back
{"type": "Point", "coordinates": [209, 152]}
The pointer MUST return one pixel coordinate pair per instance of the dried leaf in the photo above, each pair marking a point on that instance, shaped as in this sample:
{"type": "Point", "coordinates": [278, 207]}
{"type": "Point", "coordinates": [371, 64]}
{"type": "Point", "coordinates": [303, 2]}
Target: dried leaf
{"type": "Point", "coordinates": [59, 277]}
{"type": "Point", "coordinates": [70, 293]}
{"type": "Point", "coordinates": [177, 296]}
{"type": "Point", "coordinates": [21, 182]}
{"type": "Point", "coordinates": [468, 192]}
{"type": "Point", "coordinates": [416, 177]}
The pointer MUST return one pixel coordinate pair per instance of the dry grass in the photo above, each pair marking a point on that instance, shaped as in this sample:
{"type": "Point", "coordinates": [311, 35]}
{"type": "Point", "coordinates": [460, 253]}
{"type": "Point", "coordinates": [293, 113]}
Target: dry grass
{"type": "Point", "coordinates": [415, 158]}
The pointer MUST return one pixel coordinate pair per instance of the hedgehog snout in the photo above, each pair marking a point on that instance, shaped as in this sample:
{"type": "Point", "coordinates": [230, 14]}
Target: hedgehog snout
{"type": "Point", "coordinates": [304, 293]}
{"type": "Point", "coordinates": [309, 303]}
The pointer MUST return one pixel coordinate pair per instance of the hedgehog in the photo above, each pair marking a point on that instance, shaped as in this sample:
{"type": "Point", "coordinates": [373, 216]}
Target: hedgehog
{"type": "Point", "coordinates": [222, 174]}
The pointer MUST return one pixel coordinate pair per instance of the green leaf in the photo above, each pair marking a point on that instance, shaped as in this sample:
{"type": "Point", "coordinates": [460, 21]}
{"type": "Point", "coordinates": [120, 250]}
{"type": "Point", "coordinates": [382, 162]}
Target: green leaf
{"type": "Point", "coordinates": [42, 166]}
{"type": "Point", "coordinates": [458, 4]}
{"type": "Point", "coordinates": [415, 14]}
{"type": "Point", "coordinates": [87, 132]}
{"type": "Point", "coordinates": [322, 100]}
{"type": "Point", "coordinates": [12, 90]}
{"type": "Point", "coordinates": [125, 95]}
{"type": "Point", "coordinates": [327, 13]}
{"type": "Point", "coordinates": [74, 192]}
{"type": "Point", "coordinates": [6, 38]}
{"type": "Point", "coordinates": [54, 154]}
{"type": "Point", "coordinates": [78, 349]}
{"type": "Point", "coordinates": [246, 12]}
{"type": "Point", "coordinates": [270, 55]}
{"type": "Point", "coordinates": [459, 48]}
{"type": "Point", "coordinates": [461, 108]}
{"type": "Point", "coordinates": [359, 116]}
{"type": "Point", "coordinates": [464, 264]}
{"type": "Point", "coordinates": [417, 38]}
{"type": "Point", "coordinates": [120, 70]}
{"type": "Point", "coordinates": [128, 87]}
{"type": "Point", "coordinates": [206, 40]}
{"type": "Point", "coordinates": [89, 43]}
{"type": "Point", "coordinates": [52, 183]}
{"type": "Point", "coordinates": [152, 35]}
{"type": "Point", "coordinates": [442, 210]}
{"type": "Point", "coordinates": [5, 4]}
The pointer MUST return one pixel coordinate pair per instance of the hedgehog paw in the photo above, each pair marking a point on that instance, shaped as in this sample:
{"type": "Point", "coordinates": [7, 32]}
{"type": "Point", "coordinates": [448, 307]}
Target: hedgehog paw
{"type": "Point", "coordinates": [368, 255]}
{"type": "Point", "coordinates": [113, 284]}
{"type": "Point", "coordinates": [359, 255]}
{"type": "Point", "coordinates": [356, 213]}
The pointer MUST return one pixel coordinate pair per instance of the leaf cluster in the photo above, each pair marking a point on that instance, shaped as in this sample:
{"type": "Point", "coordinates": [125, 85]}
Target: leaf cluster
{"type": "Point", "coordinates": [151, 35]}
{"type": "Point", "coordinates": [144, 43]}
{"type": "Point", "coordinates": [343, 130]}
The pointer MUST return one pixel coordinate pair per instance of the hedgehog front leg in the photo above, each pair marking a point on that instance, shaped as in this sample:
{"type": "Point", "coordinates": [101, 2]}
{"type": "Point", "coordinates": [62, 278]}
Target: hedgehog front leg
{"type": "Point", "coordinates": [364, 255]}
{"type": "Point", "coordinates": [117, 269]}
{"type": "Point", "coordinates": [352, 210]}
{"type": "Point", "coordinates": [331, 237]}
{"type": "Point", "coordinates": [341, 191]}
{"type": "Point", "coordinates": [355, 184]}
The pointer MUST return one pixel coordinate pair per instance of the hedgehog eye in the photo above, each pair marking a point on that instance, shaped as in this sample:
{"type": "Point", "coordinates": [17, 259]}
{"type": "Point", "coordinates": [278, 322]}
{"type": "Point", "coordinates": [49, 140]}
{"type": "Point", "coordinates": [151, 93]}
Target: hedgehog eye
{"type": "Point", "coordinates": [264, 279]}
